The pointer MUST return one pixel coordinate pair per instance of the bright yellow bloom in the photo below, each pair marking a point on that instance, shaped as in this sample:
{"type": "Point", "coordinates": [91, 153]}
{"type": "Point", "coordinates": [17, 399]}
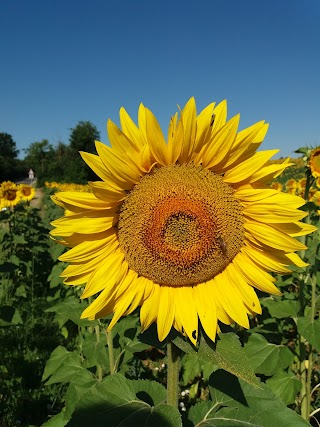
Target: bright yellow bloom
{"type": "Point", "coordinates": [185, 228]}
{"type": "Point", "coordinates": [314, 162]}
{"type": "Point", "coordinates": [27, 192]}
{"type": "Point", "coordinates": [9, 194]}
{"type": "Point", "coordinates": [291, 186]}
{"type": "Point", "coordinates": [276, 185]}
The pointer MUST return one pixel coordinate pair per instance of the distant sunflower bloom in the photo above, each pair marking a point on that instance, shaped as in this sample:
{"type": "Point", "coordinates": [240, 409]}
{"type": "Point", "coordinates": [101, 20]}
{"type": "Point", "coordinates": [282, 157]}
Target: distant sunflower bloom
{"type": "Point", "coordinates": [314, 162]}
{"type": "Point", "coordinates": [185, 228]}
{"type": "Point", "coordinates": [9, 194]}
{"type": "Point", "coordinates": [292, 186]}
{"type": "Point", "coordinates": [27, 192]}
{"type": "Point", "coordinates": [276, 185]}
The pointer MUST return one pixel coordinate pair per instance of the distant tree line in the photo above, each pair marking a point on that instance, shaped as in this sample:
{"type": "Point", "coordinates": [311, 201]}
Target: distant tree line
{"type": "Point", "coordinates": [61, 163]}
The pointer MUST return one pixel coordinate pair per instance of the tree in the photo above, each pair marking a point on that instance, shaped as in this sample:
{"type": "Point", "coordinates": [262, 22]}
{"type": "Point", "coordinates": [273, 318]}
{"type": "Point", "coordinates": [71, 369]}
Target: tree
{"type": "Point", "coordinates": [8, 158]}
{"type": "Point", "coordinates": [8, 147]}
{"type": "Point", "coordinates": [82, 138]}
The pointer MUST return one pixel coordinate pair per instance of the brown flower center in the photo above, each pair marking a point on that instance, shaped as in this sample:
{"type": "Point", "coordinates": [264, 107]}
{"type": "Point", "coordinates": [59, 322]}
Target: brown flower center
{"type": "Point", "coordinates": [181, 225]}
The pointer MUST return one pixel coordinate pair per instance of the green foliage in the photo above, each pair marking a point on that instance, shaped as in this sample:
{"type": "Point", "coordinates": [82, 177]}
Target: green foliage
{"type": "Point", "coordinates": [236, 403]}
{"type": "Point", "coordinates": [59, 370]}
{"type": "Point", "coordinates": [11, 167]}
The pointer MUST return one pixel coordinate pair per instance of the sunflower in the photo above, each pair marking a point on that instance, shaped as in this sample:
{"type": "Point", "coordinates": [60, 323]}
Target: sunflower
{"type": "Point", "coordinates": [9, 194]}
{"type": "Point", "coordinates": [276, 185]}
{"type": "Point", "coordinates": [314, 162]}
{"type": "Point", "coordinates": [292, 186]}
{"type": "Point", "coordinates": [27, 192]}
{"type": "Point", "coordinates": [186, 228]}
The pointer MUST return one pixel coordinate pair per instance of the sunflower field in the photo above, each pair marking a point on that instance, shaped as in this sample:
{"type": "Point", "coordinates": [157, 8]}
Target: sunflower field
{"type": "Point", "coordinates": [180, 289]}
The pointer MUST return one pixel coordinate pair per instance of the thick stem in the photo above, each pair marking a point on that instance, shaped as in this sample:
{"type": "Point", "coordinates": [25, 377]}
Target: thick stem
{"type": "Point", "coordinates": [99, 368]}
{"type": "Point", "coordinates": [111, 353]}
{"type": "Point", "coordinates": [173, 374]}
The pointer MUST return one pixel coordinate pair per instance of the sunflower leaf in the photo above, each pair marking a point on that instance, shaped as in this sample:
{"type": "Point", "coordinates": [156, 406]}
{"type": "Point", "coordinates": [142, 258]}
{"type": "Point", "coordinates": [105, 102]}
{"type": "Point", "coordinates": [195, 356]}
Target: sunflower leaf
{"type": "Point", "coordinates": [266, 358]}
{"type": "Point", "coordinates": [281, 309]}
{"type": "Point", "coordinates": [310, 330]}
{"type": "Point", "coordinates": [285, 386]}
{"type": "Point", "coordinates": [228, 354]}
{"type": "Point", "coordinates": [117, 401]}
{"type": "Point", "coordinates": [236, 403]}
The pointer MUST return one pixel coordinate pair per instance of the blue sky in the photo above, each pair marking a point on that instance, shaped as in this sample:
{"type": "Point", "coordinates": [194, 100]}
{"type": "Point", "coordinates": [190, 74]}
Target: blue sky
{"type": "Point", "coordinates": [63, 61]}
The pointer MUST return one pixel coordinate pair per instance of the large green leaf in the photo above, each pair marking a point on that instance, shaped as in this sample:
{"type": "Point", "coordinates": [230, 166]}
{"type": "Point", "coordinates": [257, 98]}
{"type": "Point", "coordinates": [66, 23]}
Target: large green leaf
{"type": "Point", "coordinates": [64, 366]}
{"type": "Point", "coordinates": [235, 403]}
{"type": "Point", "coordinates": [226, 353]}
{"type": "Point", "coordinates": [266, 358]}
{"type": "Point", "coordinates": [95, 352]}
{"type": "Point", "coordinates": [285, 385]}
{"type": "Point", "coordinates": [56, 421]}
{"type": "Point", "coordinates": [71, 309]}
{"type": "Point", "coordinates": [117, 401]}
{"type": "Point", "coordinates": [281, 309]}
{"type": "Point", "coordinates": [310, 330]}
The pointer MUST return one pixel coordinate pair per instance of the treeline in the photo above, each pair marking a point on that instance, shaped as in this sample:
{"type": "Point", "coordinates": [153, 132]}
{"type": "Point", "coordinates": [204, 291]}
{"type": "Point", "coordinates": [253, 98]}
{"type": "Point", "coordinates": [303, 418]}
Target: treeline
{"type": "Point", "coordinates": [61, 162]}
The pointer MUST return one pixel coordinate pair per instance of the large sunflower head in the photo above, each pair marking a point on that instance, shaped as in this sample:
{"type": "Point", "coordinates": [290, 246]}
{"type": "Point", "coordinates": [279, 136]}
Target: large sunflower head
{"type": "Point", "coordinates": [185, 228]}
{"type": "Point", "coordinates": [9, 194]}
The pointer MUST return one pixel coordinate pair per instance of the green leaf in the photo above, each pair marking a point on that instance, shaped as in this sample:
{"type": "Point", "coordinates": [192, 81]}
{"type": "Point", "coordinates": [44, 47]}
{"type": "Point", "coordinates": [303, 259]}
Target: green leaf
{"type": "Point", "coordinates": [21, 291]}
{"type": "Point", "coordinates": [9, 316]}
{"type": "Point", "coordinates": [310, 330]}
{"type": "Point", "coordinates": [285, 385]}
{"type": "Point", "coordinates": [228, 354]}
{"type": "Point", "coordinates": [192, 367]}
{"type": "Point", "coordinates": [266, 358]}
{"type": "Point", "coordinates": [225, 353]}
{"type": "Point", "coordinates": [19, 240]}
{"type": "Point", "coordinates": [56, 421]}
{"type": "Point", "coordinates": [64, 366]}
{"type": "Point", "coordinates": [114, 401]}
{"type": "Point", "coordinates": [281, 309]}
{"type": "Point", "coordinates": [235, 403]}
{"type": "Point", "coordinates": [150, 392]}
{"type": "Point", "coordinates": [95, 352]}
{"type": "Point", "coordinates": [54, 277]}
{"type": "Point", "coordinates": [71, 308]}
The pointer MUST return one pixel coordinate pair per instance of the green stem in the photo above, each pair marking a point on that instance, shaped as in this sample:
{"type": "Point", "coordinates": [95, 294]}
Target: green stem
{"type": "Point", "coordinates": [111, 353]}
{"type": "Point", "coordinates": [173, 374]}
{"type": "Point", "coordinates": [99, 368]}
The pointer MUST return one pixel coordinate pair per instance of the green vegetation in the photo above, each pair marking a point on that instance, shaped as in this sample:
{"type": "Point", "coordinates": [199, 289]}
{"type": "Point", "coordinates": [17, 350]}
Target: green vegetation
{"type": "Point", "coordinates": [57, 370]}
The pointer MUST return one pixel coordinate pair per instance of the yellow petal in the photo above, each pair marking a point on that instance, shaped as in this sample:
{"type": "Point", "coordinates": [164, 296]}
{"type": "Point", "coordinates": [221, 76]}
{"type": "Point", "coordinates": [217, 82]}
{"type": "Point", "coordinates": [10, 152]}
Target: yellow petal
{"type": "Point", "coordinates": [85, 223]}
{"type": "Point", "coordinates": [188, 120]}
{"type": "Point", "coordinates": [247, 168]}
{"type": "Point", "coordinates": [229, 299]}
{"type": "Point", "coordinates": [204, 120]}
{"type": "Point", "coordinates": [106, 271]}
{"type": "Point", "coordinates": [206, 308]}
{"type": "Point", "coordinates": [89, 249]}
{"type": "Point", "coordinates": [166, 312]}
{"type": "Point", "coordinates": [124, 171]}
{"type": "Point", "coordinates": [150, 308]}
{"type": "Point", "coordinates": [186, 311]}
{"type": "Point", "coordinates": [156, 141]}
{"type": "Point", "coordinates": [220, 144]}
{"type": "Point", "coordinates": [272, 237]}
{"type": "Point", "coordinates": [254, 275]}
{"type": "Point", "coordinates": [130, 129]}
{"type": "Point", "coordinates": [106, 193]}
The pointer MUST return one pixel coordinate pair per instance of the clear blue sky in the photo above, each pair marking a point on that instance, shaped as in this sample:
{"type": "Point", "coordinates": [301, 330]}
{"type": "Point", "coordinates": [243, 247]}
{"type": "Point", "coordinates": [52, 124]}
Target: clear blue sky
{"type": "Point", "coordinates": [63, 61]}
